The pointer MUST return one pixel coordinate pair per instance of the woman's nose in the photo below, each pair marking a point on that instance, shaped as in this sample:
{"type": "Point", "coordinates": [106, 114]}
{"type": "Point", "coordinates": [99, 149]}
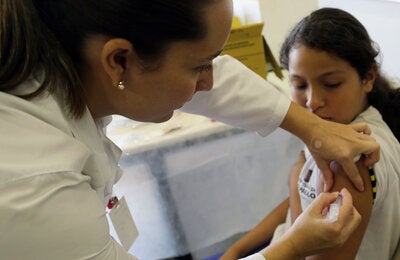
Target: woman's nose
{"type": "Point", "coordinates": [205, 81]}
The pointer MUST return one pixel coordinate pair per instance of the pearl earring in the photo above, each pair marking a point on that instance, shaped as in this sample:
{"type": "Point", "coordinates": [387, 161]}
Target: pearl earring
{"type": "Point", "coordinates": [121, 85]}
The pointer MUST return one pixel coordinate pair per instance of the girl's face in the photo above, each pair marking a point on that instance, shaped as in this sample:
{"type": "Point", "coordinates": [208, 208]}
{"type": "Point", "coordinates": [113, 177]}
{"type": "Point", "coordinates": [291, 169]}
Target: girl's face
{"type": "Point", "coordinates": [153, 95]}
{"type": "Point", "coordinates": [327, 85]}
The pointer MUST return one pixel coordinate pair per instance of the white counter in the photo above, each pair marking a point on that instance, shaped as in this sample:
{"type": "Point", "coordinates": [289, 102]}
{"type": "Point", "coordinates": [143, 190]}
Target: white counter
{"type": "Point", "coordinates": [192, 182]}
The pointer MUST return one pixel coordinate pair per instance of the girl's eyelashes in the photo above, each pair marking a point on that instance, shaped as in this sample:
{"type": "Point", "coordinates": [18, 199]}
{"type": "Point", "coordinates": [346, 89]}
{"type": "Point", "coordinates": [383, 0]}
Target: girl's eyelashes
{"type": "Point", "coordinates": [206, 67]}
{"type": "Point", "coordinates": [328, 85]}
{"type": "Point", "coordinates": [333, 85]}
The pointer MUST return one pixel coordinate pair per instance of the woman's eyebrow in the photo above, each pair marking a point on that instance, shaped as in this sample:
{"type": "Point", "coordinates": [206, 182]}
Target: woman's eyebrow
{"type": "Point", "coordinates": [213, 56]}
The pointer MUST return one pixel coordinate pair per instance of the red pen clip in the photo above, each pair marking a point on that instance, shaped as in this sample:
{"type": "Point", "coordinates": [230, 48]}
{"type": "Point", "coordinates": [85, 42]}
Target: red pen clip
{"type": "Point", "coordinates": [112, 202]}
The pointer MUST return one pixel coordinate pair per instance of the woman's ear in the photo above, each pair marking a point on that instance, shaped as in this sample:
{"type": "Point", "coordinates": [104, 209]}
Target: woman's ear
{"type": "Point", "coordinates": [370, 77]}
{"type": "Point", "coordinates": [114, 57]}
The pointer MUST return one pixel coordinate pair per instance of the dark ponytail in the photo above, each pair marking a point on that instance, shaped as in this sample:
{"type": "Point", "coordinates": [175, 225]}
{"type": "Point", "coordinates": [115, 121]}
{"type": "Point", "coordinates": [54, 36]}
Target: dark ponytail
{"type": "Point", "coordinates": [386, 99]}
{"type": "Point", "coordinates": [27, 48]}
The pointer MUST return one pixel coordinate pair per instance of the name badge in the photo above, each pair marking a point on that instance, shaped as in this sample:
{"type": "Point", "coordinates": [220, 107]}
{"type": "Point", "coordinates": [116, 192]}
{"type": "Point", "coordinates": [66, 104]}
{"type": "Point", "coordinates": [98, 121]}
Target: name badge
{"type": "Point", "coordinates": [123, 223]}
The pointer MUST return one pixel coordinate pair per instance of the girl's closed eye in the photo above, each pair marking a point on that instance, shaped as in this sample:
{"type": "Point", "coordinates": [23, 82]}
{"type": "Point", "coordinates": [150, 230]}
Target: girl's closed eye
{"type": "Point", "coordinates": [205, 67]}
{"type": "Point", "coordinates": [333, 85]}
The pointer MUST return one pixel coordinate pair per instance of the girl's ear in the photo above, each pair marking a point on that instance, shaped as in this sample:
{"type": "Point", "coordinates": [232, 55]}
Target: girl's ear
{"type": "Point", "coordinates": [370, 77]}
{"type": "Point", "coordinates": [114, 58]}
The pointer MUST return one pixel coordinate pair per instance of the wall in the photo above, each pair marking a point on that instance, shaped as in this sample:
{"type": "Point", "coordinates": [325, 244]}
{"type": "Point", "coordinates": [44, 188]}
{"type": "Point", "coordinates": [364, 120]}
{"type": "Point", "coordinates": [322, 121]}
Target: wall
{"type": "Point", "coordinates": [280, 16]}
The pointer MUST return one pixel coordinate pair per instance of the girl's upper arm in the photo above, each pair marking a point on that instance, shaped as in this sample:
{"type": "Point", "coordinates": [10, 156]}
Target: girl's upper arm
{"type": "Point", "coordinates": [363, 202]}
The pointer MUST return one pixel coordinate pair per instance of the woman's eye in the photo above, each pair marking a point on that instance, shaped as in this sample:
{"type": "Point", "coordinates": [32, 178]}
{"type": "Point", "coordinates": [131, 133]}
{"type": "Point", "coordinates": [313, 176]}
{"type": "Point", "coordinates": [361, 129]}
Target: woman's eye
{"type": "Point", "coordinates": [299, 87]}
{"type": "Point", "coordinates": [206, 67]}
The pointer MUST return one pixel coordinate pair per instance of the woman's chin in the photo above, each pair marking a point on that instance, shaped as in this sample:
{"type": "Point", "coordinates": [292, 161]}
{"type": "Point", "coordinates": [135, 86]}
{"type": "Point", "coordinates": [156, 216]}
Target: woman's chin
{"type": "Point", "coordinates": [163, 118]}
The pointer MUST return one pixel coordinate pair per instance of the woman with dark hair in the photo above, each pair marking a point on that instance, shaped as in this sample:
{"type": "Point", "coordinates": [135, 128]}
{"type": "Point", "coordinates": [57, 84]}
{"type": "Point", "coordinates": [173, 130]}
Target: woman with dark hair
{"type": "Point", "coordinates": [68, 65]}
{"type": "Point", "coordinates": [333, 72]}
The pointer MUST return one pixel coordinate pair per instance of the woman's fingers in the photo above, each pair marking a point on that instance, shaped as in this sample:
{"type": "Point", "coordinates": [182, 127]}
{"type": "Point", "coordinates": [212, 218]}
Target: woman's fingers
{"type": "Point", "coordinates": [361, 127]}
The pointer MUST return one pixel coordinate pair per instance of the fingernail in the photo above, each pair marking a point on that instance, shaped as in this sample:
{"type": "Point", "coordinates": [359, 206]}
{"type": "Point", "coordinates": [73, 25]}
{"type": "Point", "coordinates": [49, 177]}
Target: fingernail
{"type": "Point", "coordinates": [361, 187]}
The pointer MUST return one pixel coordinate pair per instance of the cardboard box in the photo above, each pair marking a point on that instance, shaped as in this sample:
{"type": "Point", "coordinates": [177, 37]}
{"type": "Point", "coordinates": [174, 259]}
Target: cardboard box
{"type": "Point", "coordinates": [246, 42]}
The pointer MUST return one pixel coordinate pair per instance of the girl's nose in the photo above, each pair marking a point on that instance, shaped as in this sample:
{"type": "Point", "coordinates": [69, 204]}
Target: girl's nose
{"type": "Point", "coordinates": [314, 99]}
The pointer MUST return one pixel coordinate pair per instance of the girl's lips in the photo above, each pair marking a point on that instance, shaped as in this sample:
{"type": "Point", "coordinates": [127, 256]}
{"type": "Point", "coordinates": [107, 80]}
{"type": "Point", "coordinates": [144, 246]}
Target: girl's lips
{"type": "Point", "coordinates": [324, 117]}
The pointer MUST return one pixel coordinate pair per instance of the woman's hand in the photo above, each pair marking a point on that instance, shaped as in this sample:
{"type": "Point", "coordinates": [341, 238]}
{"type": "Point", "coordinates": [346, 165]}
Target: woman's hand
{"type": "Point", "coordinates": [342, 143]}
{"type": "Point", "coordinates": [329, 141]}
{"type": "Point", "coordinates": [312, 232]}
